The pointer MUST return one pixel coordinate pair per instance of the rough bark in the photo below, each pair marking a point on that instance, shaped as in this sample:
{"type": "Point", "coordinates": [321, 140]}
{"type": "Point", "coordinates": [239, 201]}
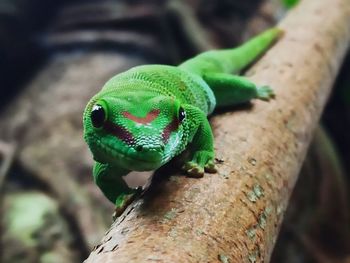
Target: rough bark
{"type": "Point", "coordinates": [234, 215]}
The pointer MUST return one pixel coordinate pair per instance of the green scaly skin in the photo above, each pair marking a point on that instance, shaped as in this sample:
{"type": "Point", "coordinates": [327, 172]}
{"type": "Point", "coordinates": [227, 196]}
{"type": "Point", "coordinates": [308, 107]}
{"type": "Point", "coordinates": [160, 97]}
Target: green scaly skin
{"type": "Point", "coordinates": [145, 116]}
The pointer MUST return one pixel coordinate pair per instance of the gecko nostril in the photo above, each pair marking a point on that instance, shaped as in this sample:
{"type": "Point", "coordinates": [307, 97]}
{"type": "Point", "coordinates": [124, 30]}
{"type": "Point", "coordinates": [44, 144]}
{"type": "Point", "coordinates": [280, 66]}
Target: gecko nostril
{"type": "Point", "coordinates": [139, 148]}
{"type": "Point", "coordinates": [162, 147]}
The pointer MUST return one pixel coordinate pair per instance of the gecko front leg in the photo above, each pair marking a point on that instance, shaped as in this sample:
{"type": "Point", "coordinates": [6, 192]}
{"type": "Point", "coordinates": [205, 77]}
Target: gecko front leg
{"type": "Point", "coordinates": [202, 146]}
{"type": "Point", "coordinates": [109, 180]}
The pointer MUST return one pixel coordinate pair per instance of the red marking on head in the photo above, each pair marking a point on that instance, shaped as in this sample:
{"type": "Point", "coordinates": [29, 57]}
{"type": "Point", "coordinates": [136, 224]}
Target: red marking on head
{"type": "Point", "coordinates": [143, 120]}
{"type": "Point", "coordinates": [172, 126]}
{"type": "Point", "coordinates": [119, 131]}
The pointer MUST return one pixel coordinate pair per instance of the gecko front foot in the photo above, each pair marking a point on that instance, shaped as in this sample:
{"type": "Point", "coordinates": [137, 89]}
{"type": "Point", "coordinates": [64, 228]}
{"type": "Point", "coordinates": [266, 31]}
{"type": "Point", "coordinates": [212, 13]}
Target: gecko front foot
{"type": "Point", "coordinates": [265, 93]}
{"type": "Point", "coordinates": [121, 203]}
{"type": "Point", "coordinates": [123, 200]}
{"type": "Point", "coordinates": [202, 161]}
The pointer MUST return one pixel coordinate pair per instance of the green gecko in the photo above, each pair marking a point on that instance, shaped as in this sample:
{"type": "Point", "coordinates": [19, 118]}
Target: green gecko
{"type": "Point", "coordinates": [148, 114]}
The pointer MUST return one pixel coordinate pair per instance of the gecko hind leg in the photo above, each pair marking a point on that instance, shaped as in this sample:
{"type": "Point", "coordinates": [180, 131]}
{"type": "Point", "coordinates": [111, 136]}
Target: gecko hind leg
{"type": "Point", "coordinates": [231, 90]}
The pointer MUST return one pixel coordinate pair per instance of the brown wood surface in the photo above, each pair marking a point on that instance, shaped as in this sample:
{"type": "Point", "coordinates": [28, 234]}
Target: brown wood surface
{"type": "Point", "coordinates": [234, 215]}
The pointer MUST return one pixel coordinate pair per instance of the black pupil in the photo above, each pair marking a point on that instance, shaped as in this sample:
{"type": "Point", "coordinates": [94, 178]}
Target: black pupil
{"type": "Point", "coordinates": [182, 114]}
{"type": "Point", "coordinates": [98, 116]}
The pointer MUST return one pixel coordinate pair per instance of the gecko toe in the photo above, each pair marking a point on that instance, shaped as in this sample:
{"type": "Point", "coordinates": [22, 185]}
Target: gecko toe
{"type": "Point", "coordinates": [210, 167]}
{"type": "Point", "coordinates": [265, 93]}
{"type": "Point", "coordinates": [193, 170]}
{"type": "Point", "coordinates": [196, 172]}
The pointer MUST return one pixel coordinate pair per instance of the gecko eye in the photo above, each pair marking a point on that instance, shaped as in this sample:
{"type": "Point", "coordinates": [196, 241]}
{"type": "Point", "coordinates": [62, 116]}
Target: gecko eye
{"type": "Point", "coordinates": [182, 114]}
{"type": "Point", "coordinates": [98, 116]}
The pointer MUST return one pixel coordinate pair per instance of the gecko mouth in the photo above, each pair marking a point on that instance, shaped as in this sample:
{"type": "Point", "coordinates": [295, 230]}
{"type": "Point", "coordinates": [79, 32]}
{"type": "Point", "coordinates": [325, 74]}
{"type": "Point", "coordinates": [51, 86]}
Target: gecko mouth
{"type": "Point", "coordinates": [129, 158]}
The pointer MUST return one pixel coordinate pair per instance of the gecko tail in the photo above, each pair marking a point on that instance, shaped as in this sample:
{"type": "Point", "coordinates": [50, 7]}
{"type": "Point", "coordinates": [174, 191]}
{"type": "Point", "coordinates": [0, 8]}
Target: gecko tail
{"type": "Point", "coordinates": [235, 59]}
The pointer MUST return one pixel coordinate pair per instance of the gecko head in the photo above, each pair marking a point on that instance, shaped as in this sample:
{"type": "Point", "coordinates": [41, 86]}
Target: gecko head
{"type": "Point", "coordinates": [134, 131]}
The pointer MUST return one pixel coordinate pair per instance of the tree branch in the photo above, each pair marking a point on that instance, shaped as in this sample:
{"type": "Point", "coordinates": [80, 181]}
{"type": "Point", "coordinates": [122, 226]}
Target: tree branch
{"type": "Point", "coordinates": [236, 213]}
